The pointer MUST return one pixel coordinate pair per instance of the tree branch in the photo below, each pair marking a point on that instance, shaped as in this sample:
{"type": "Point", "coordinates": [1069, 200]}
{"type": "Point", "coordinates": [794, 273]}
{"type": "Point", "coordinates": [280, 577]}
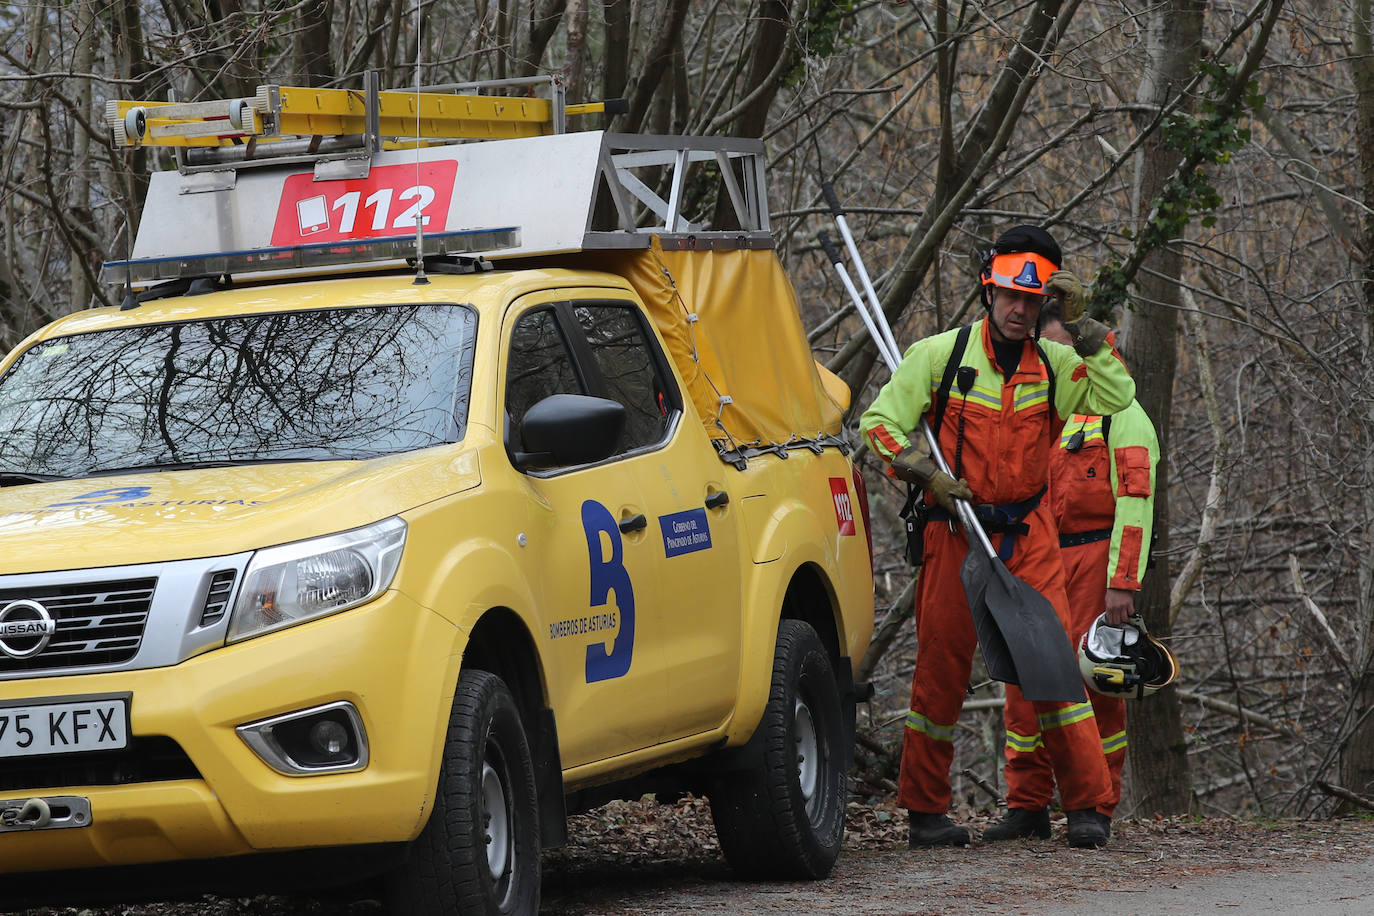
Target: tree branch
{"type": "Point", "coordinates": [1323, 627]}
{"type": "Point", "coordinates": [1247, 715]}
{"type": "Point", "coordinates": [1216, 487]}
{"type": "Point", "coordinates": [1344, 794]}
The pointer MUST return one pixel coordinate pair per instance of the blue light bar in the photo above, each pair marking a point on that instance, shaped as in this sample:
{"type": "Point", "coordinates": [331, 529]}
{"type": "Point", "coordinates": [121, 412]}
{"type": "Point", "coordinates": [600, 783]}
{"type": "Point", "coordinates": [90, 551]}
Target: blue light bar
{"type": "Point", "coordinates": [146, 271]}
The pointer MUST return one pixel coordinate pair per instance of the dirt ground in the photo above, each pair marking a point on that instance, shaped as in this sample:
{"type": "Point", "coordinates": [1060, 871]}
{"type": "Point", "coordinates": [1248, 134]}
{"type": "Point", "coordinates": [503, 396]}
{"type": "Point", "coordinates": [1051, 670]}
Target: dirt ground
{"type": "Point", "coordinates": [641, 857]}
{"type": "Point", "coordinates": [878, 875]}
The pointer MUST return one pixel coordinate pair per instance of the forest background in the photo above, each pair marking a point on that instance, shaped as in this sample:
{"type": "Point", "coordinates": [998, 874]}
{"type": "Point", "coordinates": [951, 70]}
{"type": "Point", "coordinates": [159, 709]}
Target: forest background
{"type": "Point", "coordinates": [1209, 166]}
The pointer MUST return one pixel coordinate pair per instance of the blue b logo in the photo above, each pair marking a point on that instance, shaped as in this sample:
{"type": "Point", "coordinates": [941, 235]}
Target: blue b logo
{"type": "Point", "coordinates": [1028, 276]}
{"type": "Point", "coordinates": [608, 574]}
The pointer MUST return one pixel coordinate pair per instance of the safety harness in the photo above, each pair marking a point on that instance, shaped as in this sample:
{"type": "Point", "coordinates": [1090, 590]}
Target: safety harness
{"type": "Point", "coordinates": [1006, 520]}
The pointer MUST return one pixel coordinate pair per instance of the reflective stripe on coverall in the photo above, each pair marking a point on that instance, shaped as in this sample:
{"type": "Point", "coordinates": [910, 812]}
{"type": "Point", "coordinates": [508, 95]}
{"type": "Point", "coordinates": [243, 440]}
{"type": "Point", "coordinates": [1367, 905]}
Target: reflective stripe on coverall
{"type": "Point", "coordinates": [1099, 486]}
{"type": "Point", "coordinates": [1008, 431]}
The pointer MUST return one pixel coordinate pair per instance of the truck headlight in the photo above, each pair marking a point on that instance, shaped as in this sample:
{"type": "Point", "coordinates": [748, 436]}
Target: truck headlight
{"type": "Point", "coordinates": [293, 583]}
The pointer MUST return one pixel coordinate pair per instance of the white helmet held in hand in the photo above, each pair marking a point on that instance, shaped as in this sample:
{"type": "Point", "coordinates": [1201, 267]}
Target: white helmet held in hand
{"type": "Point", "coordinates": [1124, 660]}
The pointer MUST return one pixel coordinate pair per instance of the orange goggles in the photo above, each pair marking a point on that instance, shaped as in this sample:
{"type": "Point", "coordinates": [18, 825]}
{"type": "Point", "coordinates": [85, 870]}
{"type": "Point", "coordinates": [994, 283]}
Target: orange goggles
{"type": "Point", "coordinates": [1023, 270]}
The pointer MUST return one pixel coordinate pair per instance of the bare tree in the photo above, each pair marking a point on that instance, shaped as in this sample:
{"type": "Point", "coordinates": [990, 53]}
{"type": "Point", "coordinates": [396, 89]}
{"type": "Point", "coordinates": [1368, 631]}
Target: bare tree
{"type": "Point", "coordinates": [1357, 751]}
{"type": "Point", "coordinates": [314, 50]}
{"type": "Point", "coordinates": [1157, 752]}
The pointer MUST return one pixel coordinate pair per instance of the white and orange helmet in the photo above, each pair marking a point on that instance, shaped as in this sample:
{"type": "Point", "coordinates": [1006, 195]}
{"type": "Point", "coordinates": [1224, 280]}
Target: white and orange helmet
{"type": "Point", "coordinates": [1124, 660]}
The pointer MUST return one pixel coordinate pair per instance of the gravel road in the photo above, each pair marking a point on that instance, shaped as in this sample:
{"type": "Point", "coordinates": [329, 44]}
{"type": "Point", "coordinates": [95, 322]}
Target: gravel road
{"type": "Point", "coordinates": [1158, 866]}
{"type": "Point", "coordinates": [642, 858]}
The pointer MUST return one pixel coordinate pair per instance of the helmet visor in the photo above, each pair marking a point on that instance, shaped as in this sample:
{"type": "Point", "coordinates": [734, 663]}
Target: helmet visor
{"type": "Point", "coordinates": [1022, 270]}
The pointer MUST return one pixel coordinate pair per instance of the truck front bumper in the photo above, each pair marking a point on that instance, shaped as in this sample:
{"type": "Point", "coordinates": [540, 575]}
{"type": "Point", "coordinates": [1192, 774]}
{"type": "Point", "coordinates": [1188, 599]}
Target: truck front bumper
{"type": "Point", "coordinates": [395, 662]}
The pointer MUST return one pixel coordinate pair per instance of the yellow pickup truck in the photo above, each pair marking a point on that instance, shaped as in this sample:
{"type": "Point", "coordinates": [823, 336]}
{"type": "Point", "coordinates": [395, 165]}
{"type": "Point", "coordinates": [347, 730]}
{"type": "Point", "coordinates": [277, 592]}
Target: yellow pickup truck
{"type": "Point", "coordinates": [396, 548]}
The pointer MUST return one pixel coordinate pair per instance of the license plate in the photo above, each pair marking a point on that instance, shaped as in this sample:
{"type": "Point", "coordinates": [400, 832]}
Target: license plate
{"type": "Point", "coordinates": [63, 726]}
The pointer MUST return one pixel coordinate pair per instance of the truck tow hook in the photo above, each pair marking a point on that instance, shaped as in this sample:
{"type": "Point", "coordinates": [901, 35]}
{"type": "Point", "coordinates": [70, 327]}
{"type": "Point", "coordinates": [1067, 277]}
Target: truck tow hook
{"type": "Point", "coordinates": [33, 814]}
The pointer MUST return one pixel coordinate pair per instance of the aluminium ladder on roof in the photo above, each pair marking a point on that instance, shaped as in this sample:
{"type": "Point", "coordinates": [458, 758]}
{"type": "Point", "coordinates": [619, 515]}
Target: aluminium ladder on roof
{"type": "Point", "coordinates": [538, 188]}
{"type": "Point", "coordinates": [293, 110]}
{"type": "Point", "coordinates": [258, 129]}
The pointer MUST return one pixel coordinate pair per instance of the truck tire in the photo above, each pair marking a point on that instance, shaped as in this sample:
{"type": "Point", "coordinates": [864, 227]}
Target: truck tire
{"type": "Point", "coordinates": [785, 818]}
{"type": "Point", "coordinates": [479, 852]}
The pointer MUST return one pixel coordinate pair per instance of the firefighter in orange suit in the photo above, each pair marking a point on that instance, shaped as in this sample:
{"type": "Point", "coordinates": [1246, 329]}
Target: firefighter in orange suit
{"type": "Point", "coordinates": [997, 431]}
{"type": "Point", "coordinates": [1102, 481]}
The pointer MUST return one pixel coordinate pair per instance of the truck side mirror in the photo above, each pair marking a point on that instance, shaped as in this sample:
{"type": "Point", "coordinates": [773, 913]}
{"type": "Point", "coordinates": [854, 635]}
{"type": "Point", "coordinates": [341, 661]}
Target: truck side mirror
{"type": "Point", "coordinates": [565, 429]}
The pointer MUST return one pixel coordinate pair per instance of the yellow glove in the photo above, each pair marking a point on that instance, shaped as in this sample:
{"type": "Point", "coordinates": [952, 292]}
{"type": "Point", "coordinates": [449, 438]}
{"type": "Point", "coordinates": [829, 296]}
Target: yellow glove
{"type": "Point", "coordinates": [913, 467]}
{"type": "Point", "coordinates": [1073, 298]}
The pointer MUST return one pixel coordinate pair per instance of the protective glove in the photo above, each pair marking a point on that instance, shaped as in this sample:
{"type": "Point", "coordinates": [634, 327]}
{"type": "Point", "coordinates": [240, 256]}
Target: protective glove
{"type": "Point", "coordinates": [1088, 335]}
{"type": "Point", "coordinates": [1068, 289]}
{"type": "Point", "coordinates": [913, 467]}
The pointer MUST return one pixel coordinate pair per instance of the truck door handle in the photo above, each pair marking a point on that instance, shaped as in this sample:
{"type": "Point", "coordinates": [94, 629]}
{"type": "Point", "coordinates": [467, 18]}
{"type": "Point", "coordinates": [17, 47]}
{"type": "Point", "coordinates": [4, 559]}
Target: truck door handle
{"type": "Point", "coordinates": [717, 499]}
{"type": "Point", "coordinates": [633, 523]}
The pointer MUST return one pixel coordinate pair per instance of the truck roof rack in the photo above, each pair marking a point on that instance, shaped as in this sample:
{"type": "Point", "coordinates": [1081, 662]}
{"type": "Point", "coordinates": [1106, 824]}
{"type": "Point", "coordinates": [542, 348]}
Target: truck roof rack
{"type": "Point", "coordinates": [296, 181]}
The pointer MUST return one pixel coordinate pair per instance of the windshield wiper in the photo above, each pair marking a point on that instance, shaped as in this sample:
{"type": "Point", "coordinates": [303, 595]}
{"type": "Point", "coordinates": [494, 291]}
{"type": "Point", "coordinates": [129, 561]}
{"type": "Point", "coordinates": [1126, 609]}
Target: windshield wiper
{"type": "Point", "coordinates": [158, 467]}
{"type": "Point", "coordinates": [13, 478]}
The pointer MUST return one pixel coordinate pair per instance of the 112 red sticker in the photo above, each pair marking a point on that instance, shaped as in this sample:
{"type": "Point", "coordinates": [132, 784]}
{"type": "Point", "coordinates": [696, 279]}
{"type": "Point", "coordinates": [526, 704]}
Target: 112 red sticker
{"type": "Point", "coordinates": [385, 204]}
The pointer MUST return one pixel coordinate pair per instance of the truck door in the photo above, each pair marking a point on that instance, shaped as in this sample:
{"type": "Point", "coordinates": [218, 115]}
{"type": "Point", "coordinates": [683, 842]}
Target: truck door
{"type": "Point", "coordinates": [692, 524]}
{"type": "Point", "coordinates": [590, 541]}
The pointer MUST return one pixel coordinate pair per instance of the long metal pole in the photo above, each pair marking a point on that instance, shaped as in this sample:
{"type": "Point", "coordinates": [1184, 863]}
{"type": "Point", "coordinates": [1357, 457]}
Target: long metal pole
{"type": "Point", "coordinates": [843, 224]}
{"type": "Point", "coordinates": [892, 357]}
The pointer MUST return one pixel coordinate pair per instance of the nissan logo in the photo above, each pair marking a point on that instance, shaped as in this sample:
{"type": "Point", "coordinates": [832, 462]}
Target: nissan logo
{"type": "Point", "coordinates": [25, 628]}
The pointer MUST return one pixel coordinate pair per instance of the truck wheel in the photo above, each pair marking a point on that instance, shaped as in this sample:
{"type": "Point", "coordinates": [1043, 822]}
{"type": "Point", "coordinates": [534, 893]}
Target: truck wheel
{"type": "Point", "coordinates": [479, 852]}
{"type": "Point", "coordinates": [785, 819]}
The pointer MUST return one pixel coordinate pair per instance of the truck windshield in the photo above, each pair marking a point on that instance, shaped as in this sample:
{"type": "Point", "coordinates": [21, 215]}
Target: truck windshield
{"type": "Point", "coordinates": [308, 385]}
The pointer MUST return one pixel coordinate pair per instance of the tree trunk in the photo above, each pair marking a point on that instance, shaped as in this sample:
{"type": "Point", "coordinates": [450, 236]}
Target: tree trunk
{"type": "Point", "coordinates": [1357, 752]}
{"type": "Point", "coordinates": [128, 28]}
{"type": "Point", "coordinates": [372, 51]}
{"type": "Point", "coordinates": [545, 16]}
{"type": "Point", "coordinates": [503, 38]}
{"type": "Point", "coordinates": [945, 56]}
{"type": "Point", "coordinates": [314, 64]}
{"type": "Point", "coordinates": [1158, 754]}
{"type": "Point", "coordinates": [27, 299]}
{"type": "Point", "coordinates": [770, 44]}
{"type": "Point", "coordinates": [682, 101]}
{"type": "Point", "coordinates": [574, 79]}
{"type": "Point", "coordinates": [80, 188]}
{"type": "Point", "coordinates": [394, 59]}
{"type": "Point", "coordinates": [657, 61]}
{"type": "Point", "coordinates": [615, 72]}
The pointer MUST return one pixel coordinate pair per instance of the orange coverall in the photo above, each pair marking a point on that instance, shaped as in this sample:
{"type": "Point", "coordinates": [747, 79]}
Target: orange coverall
{"type": "Point", "coordinates": [1008, 431]}
{"type": "Point", "coordinates": [1102, 498]}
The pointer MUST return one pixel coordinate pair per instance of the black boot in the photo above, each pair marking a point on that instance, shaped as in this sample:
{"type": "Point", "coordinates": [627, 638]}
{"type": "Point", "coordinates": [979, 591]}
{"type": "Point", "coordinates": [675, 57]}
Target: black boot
{"type": "Point", "coordinates": [925, 830]}
{"type": "Point", "coordinates": [1020, 822]}
{"type": "Point", "coordinates": [1089, 829]}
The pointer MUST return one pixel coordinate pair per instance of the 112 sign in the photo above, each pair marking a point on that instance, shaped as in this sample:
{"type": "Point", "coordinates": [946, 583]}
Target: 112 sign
{"type": "Point", "coordinates": [385, 204]}
{"type": "Point", "coordinates": [844, 509]}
